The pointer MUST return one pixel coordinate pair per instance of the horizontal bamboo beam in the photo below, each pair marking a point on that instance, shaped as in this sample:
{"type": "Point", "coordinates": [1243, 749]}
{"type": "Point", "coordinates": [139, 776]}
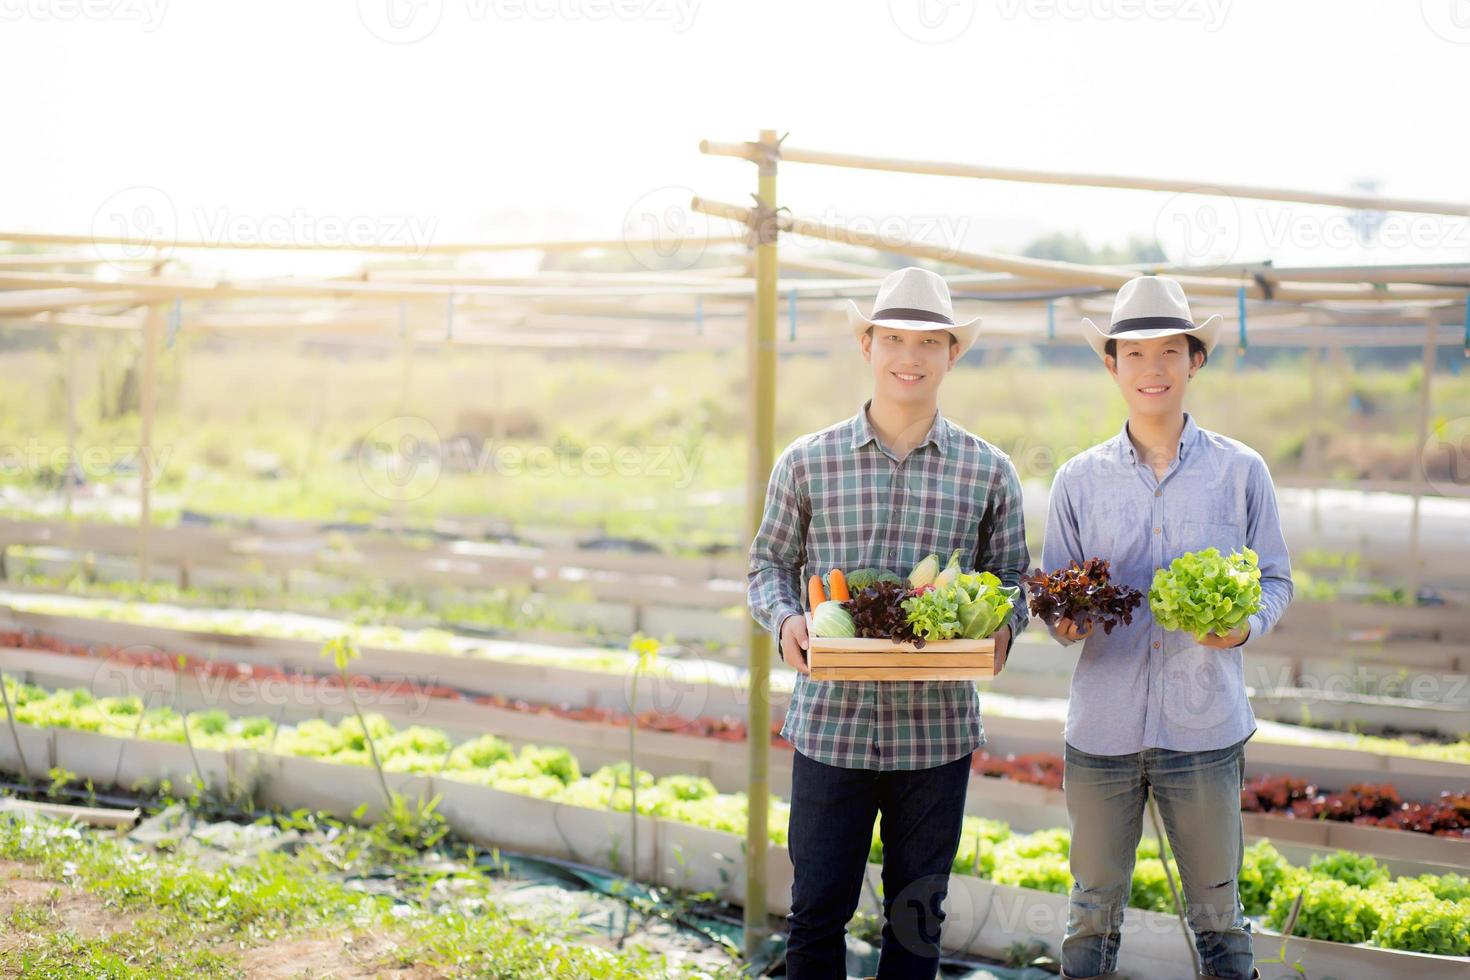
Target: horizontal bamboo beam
{"type": "Point", "coordinates": [287, 288]}
{"type": "Point", "coordinates": [720, 275]}
{"type": "Point", "coordinates": [23, 302]}
{"type": "Point", "coordinates": [427, 248]}
{"type": "Point", "coordinates": [1445, 274]}
{"type": "Point", "coordinates": [54, 261]}
{"type": "Point", "coordinates": [1369, 202]}
{"type": "Point", "coordinates": [1108, 277]}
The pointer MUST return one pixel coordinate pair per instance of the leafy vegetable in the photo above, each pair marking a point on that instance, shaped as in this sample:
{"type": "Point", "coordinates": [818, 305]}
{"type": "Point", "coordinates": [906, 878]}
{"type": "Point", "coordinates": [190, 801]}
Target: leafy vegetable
{"type": "Point", "coordinates": [1427, 913]}
{"type": "Point", "coordinates": [832, 619]}
{"type": "Point", "coordinates": [1350, 868]}
{"type": "Point", "coordinates": [972, 607]}
{"type": "Point", "coordinates": [878, 613]}
{"type": "Point", "coordinates": [1205, 593]}
{"type": "Point", "coordinates": [1426, 927]}
{"type": "Point", "coordinates": [934, 613]}
{"type": "Point", "coordinates": [1084, 594]}
{"type": "Point", "coordinates": [985, 604]}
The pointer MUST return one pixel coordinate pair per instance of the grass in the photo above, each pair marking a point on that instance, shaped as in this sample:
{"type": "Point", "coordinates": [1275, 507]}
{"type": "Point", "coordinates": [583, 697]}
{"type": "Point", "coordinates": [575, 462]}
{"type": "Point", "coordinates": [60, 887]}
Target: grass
{"type": "Point", "coordinates": [194, 921]}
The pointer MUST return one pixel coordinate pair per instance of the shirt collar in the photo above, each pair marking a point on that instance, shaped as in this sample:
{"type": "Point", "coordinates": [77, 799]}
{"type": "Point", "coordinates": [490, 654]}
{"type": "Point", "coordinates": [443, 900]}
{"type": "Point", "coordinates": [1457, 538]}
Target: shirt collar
{"type": "Point", "coordinates": [862, 430]}
{"type": "Point", "coordinates": [1187, 438]}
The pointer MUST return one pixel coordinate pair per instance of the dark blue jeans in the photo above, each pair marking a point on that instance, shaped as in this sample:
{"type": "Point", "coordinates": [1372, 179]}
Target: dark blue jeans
{"type": "Point", "coordinates": [831, 833]}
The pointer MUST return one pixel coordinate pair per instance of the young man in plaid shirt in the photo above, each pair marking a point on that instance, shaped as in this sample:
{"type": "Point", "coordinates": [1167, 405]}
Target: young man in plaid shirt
{"type": "Point", "coordinates": [883, 489]}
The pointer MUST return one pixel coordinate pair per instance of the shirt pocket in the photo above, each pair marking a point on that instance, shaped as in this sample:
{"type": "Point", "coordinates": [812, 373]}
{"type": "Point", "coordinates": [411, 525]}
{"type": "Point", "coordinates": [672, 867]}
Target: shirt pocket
{"type": "Point", "coordinates": [943, 522]}
{"type": "Point", "coordinates": [1198, 535]}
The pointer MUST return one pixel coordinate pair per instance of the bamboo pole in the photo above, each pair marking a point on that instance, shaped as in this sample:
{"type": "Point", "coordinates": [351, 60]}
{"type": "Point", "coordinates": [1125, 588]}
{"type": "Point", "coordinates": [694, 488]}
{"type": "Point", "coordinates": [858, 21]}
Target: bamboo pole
{"type": "Point", "coordinates": [1421, 479]}
{"type": "Point", "coordinates": [1368, 202]}
{"type": "Point", "coordinates": [71, 339]}
{"type": "Point", "coordinates": [426, 248]}
{"type": "Point", "coordinates": [1108, 277]}
{"type": "Point", "coordinates": [151, 329]}
{"type": "Point", "coordinates": [761, 350]}
{"type": "Point", "coordinates": [1313, 454]}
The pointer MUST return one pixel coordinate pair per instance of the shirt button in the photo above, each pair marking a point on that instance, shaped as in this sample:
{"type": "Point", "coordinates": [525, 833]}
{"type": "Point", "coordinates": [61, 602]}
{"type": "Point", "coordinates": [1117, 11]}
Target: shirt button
{"type": "Point", "coordinates": [1156, 644]}
{"type": "Point", "coordinates": [1158, 493]}
{"type": "Point", "coordinates": [1158, 530]}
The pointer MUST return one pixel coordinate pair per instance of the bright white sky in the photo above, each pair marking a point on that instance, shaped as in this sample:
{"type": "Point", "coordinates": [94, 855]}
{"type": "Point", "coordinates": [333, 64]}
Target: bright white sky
{"type": "Point", "coordinates": [526, 118]}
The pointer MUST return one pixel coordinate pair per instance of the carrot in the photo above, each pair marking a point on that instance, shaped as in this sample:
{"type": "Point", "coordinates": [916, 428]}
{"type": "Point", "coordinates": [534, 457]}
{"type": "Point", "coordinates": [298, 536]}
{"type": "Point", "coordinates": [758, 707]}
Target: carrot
{"type": "Point", "coordinates": [838, 581]}
{"type": "Point", "coordinates": [815, 595]}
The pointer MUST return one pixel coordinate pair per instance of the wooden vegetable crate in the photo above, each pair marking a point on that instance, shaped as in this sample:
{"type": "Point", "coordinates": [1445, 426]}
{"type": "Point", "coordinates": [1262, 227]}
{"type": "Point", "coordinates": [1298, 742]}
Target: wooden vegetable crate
{"type": "Point", "coordinates": [839, 658]}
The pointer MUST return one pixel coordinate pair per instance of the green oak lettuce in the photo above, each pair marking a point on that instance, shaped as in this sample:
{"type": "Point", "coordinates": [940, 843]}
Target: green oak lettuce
{"type": "Point", "coordinates": [971, 607]}
{"type": "Point", "coordinates": [1205, 592]}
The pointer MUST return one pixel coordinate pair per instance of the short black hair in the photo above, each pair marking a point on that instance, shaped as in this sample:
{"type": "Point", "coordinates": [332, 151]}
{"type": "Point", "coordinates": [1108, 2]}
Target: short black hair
{"type": "Point", "coordinates": [1196, 346]}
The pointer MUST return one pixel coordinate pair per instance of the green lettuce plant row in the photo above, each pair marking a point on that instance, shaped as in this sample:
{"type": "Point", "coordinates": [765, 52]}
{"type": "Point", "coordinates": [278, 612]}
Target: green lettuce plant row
{"type": "Point", "coordinates": [1347, 898]}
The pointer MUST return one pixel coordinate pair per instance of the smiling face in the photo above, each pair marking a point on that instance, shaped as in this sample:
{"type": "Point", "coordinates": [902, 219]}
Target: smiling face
{"type": "Point", "coordinates": [909, 364]}
{"type": "Point", "coordinates": [1153, 374]}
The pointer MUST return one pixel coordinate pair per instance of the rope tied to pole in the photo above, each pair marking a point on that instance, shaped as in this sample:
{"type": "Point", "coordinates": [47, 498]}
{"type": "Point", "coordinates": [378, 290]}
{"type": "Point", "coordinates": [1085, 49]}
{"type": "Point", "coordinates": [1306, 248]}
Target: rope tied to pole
{"type": "Point", "coordinates": [1240, 313]}
{"type": "Point", "coordinates": [1467, 324]}
{"type": "Point", "coordinates": [175, 321]}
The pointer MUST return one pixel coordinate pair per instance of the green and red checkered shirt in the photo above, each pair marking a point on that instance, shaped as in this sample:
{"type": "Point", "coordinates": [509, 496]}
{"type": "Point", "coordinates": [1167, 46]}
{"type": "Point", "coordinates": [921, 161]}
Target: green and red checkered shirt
{"type": "Point", "coordinates": [838, 498]}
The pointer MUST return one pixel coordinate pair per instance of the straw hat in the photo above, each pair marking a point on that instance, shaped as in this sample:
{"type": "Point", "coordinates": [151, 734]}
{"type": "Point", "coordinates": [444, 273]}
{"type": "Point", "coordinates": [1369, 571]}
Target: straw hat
{"type": "Point", "coordinates": [914, 299]}
{"type": "Point", "coordinates": [1148, 307]}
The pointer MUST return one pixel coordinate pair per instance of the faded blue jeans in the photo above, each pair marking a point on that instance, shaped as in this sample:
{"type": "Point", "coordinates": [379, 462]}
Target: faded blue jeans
{"type": "Point", "coordinates": [1199, 800]}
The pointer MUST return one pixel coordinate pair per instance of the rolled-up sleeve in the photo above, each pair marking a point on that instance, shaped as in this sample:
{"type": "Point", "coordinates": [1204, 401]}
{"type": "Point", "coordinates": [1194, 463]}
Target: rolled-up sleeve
{"type": "Point", "coordinates": [1063, 543]}
{"type": "Point", "coordinates": [778, 552]}
{"type": "Point", "coordinates": [1264, 537]}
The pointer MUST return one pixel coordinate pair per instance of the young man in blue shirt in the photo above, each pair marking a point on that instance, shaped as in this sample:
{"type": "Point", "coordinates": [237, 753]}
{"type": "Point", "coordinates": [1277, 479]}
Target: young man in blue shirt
{"type": "Point", "coordinates": [1155, 710]}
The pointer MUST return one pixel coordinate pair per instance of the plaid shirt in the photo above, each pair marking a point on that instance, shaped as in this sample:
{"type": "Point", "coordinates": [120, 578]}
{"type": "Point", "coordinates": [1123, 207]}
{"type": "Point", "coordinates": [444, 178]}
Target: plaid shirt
{"type": "Point", "coordinates": [839, 499]}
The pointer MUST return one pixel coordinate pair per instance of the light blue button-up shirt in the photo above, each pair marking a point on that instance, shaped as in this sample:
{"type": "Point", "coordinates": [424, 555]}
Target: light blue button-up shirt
{"type": "Point", "coordinates": [1145, 687]}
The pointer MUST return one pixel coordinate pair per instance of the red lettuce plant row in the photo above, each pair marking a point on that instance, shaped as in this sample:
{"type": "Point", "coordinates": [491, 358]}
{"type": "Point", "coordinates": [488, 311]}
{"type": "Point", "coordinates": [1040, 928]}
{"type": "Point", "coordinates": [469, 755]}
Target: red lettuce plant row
{"type": "Point", "coordinates": [1360, 803]}
{"type": "Point", "coordinates": [367, 688]}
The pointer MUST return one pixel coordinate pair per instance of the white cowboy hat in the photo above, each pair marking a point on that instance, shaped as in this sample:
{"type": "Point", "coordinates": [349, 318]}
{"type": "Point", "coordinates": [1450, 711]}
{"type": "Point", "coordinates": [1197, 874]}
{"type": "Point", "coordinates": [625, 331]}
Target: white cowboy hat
{"type": "Point", "coordinates": [1148, 307]}
{"type": "Point", "coordinates": [914, 299]}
